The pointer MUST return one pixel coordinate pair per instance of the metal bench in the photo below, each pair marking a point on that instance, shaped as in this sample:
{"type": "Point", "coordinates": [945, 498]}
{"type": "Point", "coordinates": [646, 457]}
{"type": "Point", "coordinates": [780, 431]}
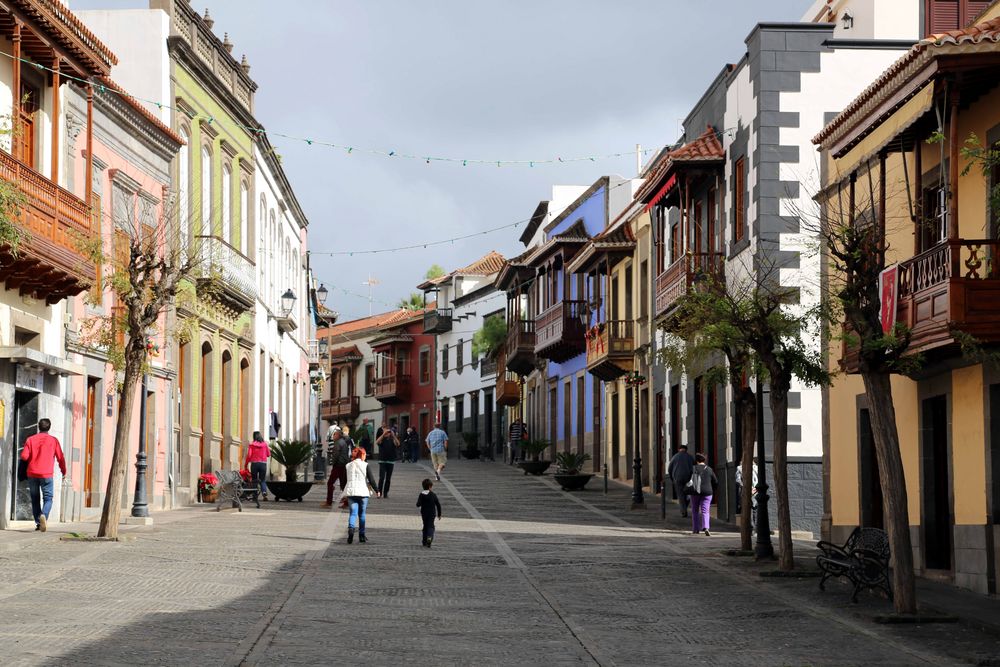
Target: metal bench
{"type": "Point", "coordinates": [863, 560]}
{"type": "Point", "coordinates": [232, 489]}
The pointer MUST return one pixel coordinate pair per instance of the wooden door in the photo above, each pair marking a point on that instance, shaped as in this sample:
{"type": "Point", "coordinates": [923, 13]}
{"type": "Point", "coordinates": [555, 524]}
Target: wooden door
{"type": "Point", "coordinates": [596, 423]}
{"type": "Point", "coordinates": [936, 494]}
{"type": "Point", "coordinates": [150, 446]}
{"type": "Point", "coordinates": [88, 459]}
{"type": "Point", "coordinates": [26, 139]}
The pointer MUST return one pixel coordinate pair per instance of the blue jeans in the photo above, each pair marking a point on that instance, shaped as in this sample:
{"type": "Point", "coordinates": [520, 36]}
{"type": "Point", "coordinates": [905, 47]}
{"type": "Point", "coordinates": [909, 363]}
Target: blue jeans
{"type": "Point", "coordinates": [358, 505]}
{"type": "Point", "coordinates": [38, 508]}
{"type": "Point", "coordinates": [258, 473]}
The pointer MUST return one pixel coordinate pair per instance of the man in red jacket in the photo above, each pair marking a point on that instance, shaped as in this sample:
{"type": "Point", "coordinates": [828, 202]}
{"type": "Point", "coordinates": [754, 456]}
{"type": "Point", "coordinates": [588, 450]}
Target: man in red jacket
{"type": "Point", "coordinates": [40, 450]}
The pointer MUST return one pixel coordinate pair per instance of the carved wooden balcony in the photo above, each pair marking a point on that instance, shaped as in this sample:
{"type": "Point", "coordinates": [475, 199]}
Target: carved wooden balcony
{"type": "Point", "coordinates": [437, 321]}
{"type": "Point", "coordinates": [393, 388]}
{"type": "Point", "coordinates": [49, 264]}
{"type": "Point", "coordinates": [683, 275]}
{"type": "Point", "coordinates": [508, 392]}
{"type": "Point", "coordinates": [520, 346]}
{"type": "Point", "coordinates": [610, 348]}
{"type": "Point", "coordinates": [559, 331]}
{"type": "Point", "coordinates": [343, 407]}
{"type": "Point", "coordinates": [948, 291]}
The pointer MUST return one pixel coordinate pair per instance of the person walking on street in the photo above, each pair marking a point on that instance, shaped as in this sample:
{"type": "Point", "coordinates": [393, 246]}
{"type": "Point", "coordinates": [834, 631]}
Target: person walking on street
{"type": "Point", "coordinates": [388, 452]}
{"type": "Point", "coordinates": [517, 433]}
{"type": "Point", "coordinates": [40, 450]}
{"type": "Point", "coordinates": [411, 445]}
{"type": "Point", "coordinates": [359, 485]}
{"type": "Point", "coordinates": [339, 453]}
{"type": "Point", "coordinates": [437, 442]}
{"type": "Point", "coordinates": [679, 470]}
{"type": "Point", "coordinates": [257, 455]}
{"type": "Point", "coordinates": [430, 507]}
{"type": "Point", "coordinates": [702, 487]}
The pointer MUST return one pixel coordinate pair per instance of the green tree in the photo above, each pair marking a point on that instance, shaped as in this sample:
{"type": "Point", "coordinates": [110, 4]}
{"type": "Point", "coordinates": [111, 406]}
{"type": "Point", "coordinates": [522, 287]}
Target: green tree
{"type": "Point", "coordinates": [436, 271]}
{"type": "Point", "coordinates": [490, 336]}
{"type": "Point", "coordinates": [413, 302]}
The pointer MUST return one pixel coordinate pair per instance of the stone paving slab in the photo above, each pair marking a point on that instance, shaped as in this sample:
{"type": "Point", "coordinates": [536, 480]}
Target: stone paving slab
{"type": "Point", "coordinates": [521, 573]}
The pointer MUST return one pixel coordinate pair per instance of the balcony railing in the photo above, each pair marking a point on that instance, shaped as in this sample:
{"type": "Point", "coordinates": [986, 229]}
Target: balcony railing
{"type": "Point", "coordinates": [508, 390]}
{"type": "Point", "coordinates": [393, 389]}
{"type": "Point", "coordinates": [231, 270]}
{"type": "Point", "coordinates": [51, 262]}
{"type": "Point", "coordinates": [559, 331]}
{"type": "Point", "coordinates": [680, 276]}
{"type": "Point", "coordinates": [342, 407]}
{"type": "Point", "coordinates": [487, 367]}
{"type": "Point", "coordinates": [437, 321]}
{"type": "Point", "coordinates": [312, 351]}
{"type": "Point", "coordinates": [610, 346]}
{"type": "Point", "coordinates": [521, 346]}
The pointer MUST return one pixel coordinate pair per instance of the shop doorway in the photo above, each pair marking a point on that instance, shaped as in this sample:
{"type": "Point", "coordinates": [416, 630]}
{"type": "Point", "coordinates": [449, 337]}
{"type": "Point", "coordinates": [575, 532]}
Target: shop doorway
{"type": "Point", "coordinates": [871, 485]}
{"type": "Point", "coordinates": [936, 496]}
{"type": "Point", "coordinates": [25, 425]}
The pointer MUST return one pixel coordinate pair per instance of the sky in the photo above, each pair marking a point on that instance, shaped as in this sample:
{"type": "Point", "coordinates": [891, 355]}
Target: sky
{"type": "Point", "coordinates": [512, 80]}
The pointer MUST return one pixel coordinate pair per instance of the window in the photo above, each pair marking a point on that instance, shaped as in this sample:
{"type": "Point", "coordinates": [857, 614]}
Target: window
{"type": "Point", "coordinates": [460, 413]}
{"type": "Point", "coordinates": [459, 360]}
{"type": "Point", "coordinates": [227, 209]}
{"type": "Point", "coordinates": [206, 191]}
{"type": "Point", "coordinates": [444, 361]}
{"type": "Point", "coordinates": [698, 229]}
{"type": "Point", "coordinates": [335, 384]}
{"type": "Point", "coordinates": [712, 195]}
{"type": "Point", "coordinates": [184, 189]}
{"type": "Point", "coordinates": [369, 379]}
{"type": "Point", "coordinates": [945, 15]}
{"type": "Point", "coordinates": [425, 365]}
{"type": "Point", "coordinates": [739, 199]}
{"type": "Point", "coordinates": [244, 219]}
{"type": "Point", "coordinates": [934, 226]}
{"type": "Point", "coordinates": [660, 218]}
{"type": "Point", "coordinates": [675, 242]}
{"type": "Point", "coordinates": [628, 294]}
{"type": "Point", "coordinates": [644, 289]}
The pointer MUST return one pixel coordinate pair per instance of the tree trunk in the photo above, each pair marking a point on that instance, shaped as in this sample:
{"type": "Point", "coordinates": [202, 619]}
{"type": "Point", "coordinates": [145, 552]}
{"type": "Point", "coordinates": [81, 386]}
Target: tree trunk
{"type": "Point", "coordinates": [779, 416]}
{"type": "Point", "coordinates": [746, 406]}
{"type": "Point", "coordinates": [111, 514]}
{"type": "Point", "coordinates": [878, 387]}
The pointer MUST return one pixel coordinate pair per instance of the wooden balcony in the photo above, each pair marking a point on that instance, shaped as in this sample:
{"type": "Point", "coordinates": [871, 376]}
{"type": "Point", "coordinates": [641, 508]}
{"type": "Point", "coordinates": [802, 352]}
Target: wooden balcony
{"type": "Point", "coordinates": [559, 331]}
{"type": "Point", "coordinates": [610, 348]}
{"type": "Point", "coordinates": [684, 274]}
{"type": "Point", "coordinates": [393, 389]}
{"type": "Point", "coordinates": [49, 264]}
{"type": "Point", "coordinates": [437, 321]}
{"type": "Point", "coordinates": [343, 407]}
{"type": "Point", "coordinates": [520, 357]}
{"type": "Point", "coordinates": [508, 392]}
{"type": "Point", "coordinates": [948, 290]}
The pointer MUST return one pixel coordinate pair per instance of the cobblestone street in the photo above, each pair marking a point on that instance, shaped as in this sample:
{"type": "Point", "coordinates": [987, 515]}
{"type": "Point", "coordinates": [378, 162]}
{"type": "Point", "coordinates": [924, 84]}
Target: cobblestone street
{"type": "Point", "coordinates": [520, 573]}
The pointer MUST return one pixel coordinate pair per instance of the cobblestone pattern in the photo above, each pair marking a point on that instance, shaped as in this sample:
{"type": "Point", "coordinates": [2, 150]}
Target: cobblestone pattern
{"type": "Point", "coordinates": [520, 573]}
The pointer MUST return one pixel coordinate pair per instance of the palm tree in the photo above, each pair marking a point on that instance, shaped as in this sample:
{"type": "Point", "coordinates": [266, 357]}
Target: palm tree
{"type": "Point", "coordinates": [413, 302]}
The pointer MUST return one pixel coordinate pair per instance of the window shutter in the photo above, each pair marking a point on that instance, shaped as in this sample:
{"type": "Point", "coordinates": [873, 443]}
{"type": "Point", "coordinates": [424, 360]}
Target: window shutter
{"type": "Point", "coordinates": [973, 9]}
{"type": "Point", "coordinates": [942, 16]}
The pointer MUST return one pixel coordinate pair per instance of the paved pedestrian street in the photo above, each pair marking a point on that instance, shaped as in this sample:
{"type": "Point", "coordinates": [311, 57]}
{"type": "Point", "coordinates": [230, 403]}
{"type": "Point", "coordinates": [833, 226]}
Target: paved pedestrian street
{"type": "Point", "coordinates": [520, 573]}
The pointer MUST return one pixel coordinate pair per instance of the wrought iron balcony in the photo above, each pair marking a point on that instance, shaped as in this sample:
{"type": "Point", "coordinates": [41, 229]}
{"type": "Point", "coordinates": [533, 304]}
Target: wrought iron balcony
{"type": "Point", "coordinates": [487, 367]}
{"type": "Point", "coordinates": [559, 331]}
{"type": "Point", "coordinates": [50, 263]}
{"type": "Point", "coordinates": [684, 274]}
{"type": "Point", "coordinates": [610, 348]}
{"type": "Point", "coordinates": [343, 407]}
{"type": "Point", "coordinates": [437, 321]}
{"type": "Point", "coordinates": [520, 346]}
{"type": "Point", "coordinates": [230, 272]}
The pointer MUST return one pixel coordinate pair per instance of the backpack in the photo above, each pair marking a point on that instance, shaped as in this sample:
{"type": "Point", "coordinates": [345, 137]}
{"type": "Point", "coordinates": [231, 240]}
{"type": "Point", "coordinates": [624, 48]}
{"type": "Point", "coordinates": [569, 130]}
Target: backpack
{"type": "Point", "coordinates": [696, 485]}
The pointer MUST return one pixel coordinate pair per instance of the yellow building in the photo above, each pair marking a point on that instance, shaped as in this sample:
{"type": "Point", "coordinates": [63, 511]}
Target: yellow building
{"type": "Point", "coordinates": [895, 156]}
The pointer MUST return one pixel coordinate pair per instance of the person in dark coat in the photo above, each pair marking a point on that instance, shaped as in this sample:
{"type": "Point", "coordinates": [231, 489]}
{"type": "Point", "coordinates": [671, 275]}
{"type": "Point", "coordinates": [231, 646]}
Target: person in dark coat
{"type": "Point", "coordinates": [388, 452]}
{"type": "Point", "coordinates": [411, 445]}
{"type": "Point", "coordinates": [702, 487]}
{"type": "Point", "coordinates": [430, 507]}
{"type": "Point", "coordinates": [679, 470]}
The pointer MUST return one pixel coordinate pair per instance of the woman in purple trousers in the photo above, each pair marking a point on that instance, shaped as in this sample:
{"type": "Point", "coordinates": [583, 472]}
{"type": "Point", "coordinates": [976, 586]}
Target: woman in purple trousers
{"type": "Point", "coordinates": [702, 485]}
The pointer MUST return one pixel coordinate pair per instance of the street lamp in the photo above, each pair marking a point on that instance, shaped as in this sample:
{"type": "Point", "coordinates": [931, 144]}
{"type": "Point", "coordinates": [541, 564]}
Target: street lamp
{"type": "Point", "coordinates": [322, 293]}
{"type": "Point", "coordinates": [287, 302]}
{"type": "Point", "coordinates": [324, 346]}
{"type": "Point", "coordinates": [636, 380]}
{"type": "Point", "coordinates": [763, 548]}
{"type": "Point", "coordinates": [140, 506]}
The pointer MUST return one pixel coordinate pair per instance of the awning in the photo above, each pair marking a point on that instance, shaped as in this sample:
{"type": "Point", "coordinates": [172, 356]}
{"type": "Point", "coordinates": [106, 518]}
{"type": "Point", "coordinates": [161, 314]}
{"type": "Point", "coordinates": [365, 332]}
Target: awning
{"type": "Point", "coordinates": [49, 363]}
{"type": "Point", "coordinates": [662, 192]}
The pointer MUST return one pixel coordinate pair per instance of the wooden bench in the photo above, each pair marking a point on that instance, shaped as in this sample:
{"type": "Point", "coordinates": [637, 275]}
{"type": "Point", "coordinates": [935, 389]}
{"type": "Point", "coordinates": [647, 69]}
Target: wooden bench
{"type": "Point", "coordinates": [863, 560]}
{"type": "Point", "coordinates": [232, 489]}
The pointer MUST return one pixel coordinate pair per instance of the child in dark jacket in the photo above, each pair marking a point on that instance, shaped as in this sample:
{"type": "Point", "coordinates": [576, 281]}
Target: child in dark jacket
{"type": "Point", "coordinates": [430, 507]}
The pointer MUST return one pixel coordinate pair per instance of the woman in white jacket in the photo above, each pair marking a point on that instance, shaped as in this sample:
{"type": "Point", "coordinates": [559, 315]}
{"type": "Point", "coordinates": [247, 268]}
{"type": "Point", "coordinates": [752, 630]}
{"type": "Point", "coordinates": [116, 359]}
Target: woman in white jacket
{"type": "Point", "coordinates": [360, 482]}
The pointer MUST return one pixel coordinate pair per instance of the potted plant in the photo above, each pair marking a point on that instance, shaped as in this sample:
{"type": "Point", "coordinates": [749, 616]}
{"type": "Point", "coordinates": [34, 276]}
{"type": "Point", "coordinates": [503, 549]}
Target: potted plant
{"type": "Point", "coordinates": [471, 445]}
{"type": "Point", "coordinates": [534, 449]}
{"type": "Point", "coordinates": [568, 466]}
{"type": "Point", "coordinates": [291, 454]}
{"type": "Point", "coordinates": [208, 488]}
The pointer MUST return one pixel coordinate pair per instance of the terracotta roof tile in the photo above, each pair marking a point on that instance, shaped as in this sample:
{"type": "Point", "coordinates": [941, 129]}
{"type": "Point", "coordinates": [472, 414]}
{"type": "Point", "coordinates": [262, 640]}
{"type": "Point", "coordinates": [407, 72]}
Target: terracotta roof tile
{"type": "Point", "coordinates": [60, 18]}
{"type": "Point", "coordinates": [486, 265]}
{"type": "Point", "coordinates": [351, 352]}
{"type": "Point", "coordinates": [891, 78]}
{"type": "Point", "coordinates": [371, 322]}
{"type": "Point", "coordinates": [706, 148]}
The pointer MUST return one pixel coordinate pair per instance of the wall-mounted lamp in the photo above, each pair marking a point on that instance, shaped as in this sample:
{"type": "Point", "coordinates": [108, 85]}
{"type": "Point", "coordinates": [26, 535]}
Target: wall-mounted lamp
{"type": "Point", "coordinates": [847, 19]}
{"type": "Point", "coordinates": [287, 302]}
{"type": "Point", "coordinates": [322, 293]}
{"type": "Point", "coordinates": [324, 346]}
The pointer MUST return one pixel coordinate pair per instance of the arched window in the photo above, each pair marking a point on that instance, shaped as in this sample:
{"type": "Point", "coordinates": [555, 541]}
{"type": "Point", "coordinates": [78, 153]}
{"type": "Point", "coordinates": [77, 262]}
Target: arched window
{"type": "Point", "coordinates": [184, 190]}
{"type": "Point", "coordinates": [262, 246]}
{"type": "Point", "coordinates": [244, 219]}
{"type": "Point", "coordinates": [272, 258]}
{"type": "Point", "coordinates": [227, 209]}
{"type": "Point", "coordinates": [295, 283]}
{"type": "Point", "coordinates": [206, 191]}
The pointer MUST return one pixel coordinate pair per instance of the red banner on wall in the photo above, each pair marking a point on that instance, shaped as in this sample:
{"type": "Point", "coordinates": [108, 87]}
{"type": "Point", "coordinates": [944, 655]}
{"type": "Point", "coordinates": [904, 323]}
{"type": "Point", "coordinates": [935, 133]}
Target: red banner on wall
{"type": "Point", "coordinates": [888, 289]}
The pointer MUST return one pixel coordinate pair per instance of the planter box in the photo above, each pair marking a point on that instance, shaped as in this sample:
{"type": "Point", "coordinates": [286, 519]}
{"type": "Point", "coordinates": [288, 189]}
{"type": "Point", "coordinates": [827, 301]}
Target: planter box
{"type": "Point", "coordinates": [289, 490]}
{"type": "Point", "coordinates": [534, 467]}
{"type": "Point", "coordinates": [209, 496]}
{"type": "Point", "coordinates": [572, 482]}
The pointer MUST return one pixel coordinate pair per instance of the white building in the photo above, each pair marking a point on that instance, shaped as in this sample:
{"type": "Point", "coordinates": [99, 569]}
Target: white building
{"type": "Point", "coordinates": [466, 381]}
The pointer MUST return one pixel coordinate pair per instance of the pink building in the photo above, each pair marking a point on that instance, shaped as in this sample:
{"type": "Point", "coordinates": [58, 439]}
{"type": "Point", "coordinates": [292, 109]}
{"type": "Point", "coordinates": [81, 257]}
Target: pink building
{"type": "Point", "coordinates": [132, 156]}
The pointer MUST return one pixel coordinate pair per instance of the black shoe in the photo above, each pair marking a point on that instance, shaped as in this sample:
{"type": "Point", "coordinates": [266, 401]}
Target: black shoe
{"type": "Point", "coordinates": [437, 475]}
{"type": "Point", "coordinates": [37, 527]}
{"type": "Point", "coordinates": [684, 515]}
{"type": "Point", "coordinates": [429, 540]}
{"type": "Point", "coordinates": [362, 538]}
{"type": "Point", "coordinates": [350, 536]}
{"type": "Point", "coordinates": [707, 534]}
